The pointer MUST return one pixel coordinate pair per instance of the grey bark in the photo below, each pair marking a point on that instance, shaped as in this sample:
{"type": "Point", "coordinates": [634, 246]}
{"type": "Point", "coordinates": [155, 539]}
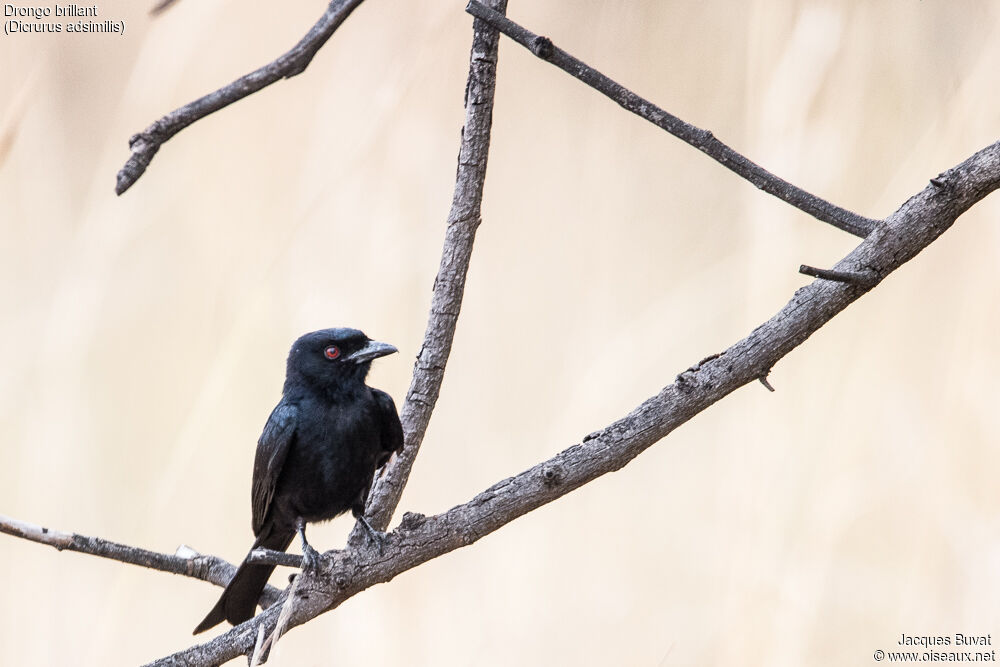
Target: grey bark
{"type": "Point", "coordinates": [145, 144]}
{"type": "Point", "coordinates": [910, 229]}
{"type": "Point", "coordinates": [186, 561]}
{"type": "Point", "coordinates": [887, 245]}
{"type": "Point", "coordinates": [701, 139]}
{"type": "Point", "coordinates": [449, 285]}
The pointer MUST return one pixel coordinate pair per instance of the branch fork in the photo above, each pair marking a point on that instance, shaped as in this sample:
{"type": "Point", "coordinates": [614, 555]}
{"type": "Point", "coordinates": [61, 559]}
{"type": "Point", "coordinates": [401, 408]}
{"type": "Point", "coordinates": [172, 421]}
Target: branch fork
{"type": "Point", "coordinates": [885, 247]}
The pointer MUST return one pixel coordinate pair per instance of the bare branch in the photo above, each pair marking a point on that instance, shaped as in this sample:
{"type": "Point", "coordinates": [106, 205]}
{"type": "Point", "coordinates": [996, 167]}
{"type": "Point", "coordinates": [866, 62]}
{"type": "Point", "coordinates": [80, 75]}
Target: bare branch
{"type": "Point", "coordinates": [703, 140]}
{"type": "Point", "coordinates": [186, 561]}
{"type": "Point", "coordinates": [145, 144]}
{"type": "Point", "coordinates": [916, 224]}
{"type": "Point", "coordinates": [449, 285]}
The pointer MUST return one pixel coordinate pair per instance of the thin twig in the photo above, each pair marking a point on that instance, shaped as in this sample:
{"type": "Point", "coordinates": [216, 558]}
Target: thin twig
{"type": "Point", "coordinates": [186, 562]}
{"type": "Point", "coordinates": [145, 144]}
{"type": "Point", "coordinates": [257, 647]}
{"type": "Point", "coordinates": [160, 7]}
{"type": "Point", "coordinates": [449, 285]}
{"type": "Point", "coordinates": [263, 649]}
{"type": "Point", "coordinates": [703, 140]}
{"type": "Point", "coordinates": [343, 574]}
{"type": "Point", "coordinates": [858, 278]}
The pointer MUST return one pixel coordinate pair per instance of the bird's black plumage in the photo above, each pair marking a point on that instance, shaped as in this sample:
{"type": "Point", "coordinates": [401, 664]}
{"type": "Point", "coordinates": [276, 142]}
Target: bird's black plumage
{"type": "Point", "coordinates": [318, 453]}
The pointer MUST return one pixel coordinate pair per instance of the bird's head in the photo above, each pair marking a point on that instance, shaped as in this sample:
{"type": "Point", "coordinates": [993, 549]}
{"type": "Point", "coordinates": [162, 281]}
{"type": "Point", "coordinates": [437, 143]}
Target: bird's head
{"type": "Point", "coordinates": [333, 358]}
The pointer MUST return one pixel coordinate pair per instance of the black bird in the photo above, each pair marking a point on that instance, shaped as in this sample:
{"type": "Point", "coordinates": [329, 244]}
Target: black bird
{"type": "Point", "coordinates": [317, 456]}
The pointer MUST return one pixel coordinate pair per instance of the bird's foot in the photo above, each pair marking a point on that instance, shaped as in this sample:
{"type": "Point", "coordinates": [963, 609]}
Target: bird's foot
{"type": "Point", "coordinates": [310, 557]}
{"type": "Point", "coordinates": [375, 537]}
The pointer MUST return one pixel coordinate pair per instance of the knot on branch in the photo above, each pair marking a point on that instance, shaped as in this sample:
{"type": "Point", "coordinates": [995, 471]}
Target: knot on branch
{"type": "Point", "coordinates": [943, 181]}
{"type": "Point", "coordinates": [552, 475]}
{"type": "Point", "coordinates": [412, 521]}
{"type": "Point", "coordinates": [543, 47]}
{"type": "Point", "coordinates": [684, 381]}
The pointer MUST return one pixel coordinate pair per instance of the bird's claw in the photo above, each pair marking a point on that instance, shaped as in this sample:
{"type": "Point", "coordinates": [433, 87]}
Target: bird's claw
{"type": "Point", "coordinates": [376, 537]}
{"type": "Point", "coordinates": [310, 558]}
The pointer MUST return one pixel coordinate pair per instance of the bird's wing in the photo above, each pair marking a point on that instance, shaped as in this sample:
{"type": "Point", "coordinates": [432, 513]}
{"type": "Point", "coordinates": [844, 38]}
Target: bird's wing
{"type": "Point", "coordinates": [272, 449]}
{"type": "Point", "coordinates": [389, 427]}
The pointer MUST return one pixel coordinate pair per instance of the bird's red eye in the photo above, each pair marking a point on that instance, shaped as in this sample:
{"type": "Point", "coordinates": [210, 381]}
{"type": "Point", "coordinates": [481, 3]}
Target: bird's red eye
{"type": "Point", "coordinates": [331, 352]}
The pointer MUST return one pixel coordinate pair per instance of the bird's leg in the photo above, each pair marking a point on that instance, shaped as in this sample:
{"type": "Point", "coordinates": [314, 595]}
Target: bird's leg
{"type": "Point", "coordinates": [377, 538]}
{"type": "Point", "coordinates": [310, 557]}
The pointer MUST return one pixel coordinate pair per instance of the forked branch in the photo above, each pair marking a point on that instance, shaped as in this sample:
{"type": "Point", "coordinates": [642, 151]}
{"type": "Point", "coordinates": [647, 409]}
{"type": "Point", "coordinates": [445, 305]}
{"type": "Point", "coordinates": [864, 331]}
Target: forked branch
{"type": "Point", "coordinates": [886, 246]}
{"type": "Point", "coordinates": [703, 140]}
{"type": "Point", "coordinates": [910, 229]}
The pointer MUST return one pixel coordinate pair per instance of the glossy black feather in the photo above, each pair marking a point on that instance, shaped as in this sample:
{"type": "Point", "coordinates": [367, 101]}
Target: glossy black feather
{"type": "Point", "coordinates": [317, 455]}
{"type": "Point", "coordinates": [392, 431]}
{"type": "Point", "coordinates": [272, 449]}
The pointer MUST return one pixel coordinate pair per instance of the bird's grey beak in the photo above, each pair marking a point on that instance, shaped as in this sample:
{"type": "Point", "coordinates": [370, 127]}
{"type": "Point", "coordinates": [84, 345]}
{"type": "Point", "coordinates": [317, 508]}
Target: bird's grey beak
{"type": "Point", "coordinates": [372, 350]}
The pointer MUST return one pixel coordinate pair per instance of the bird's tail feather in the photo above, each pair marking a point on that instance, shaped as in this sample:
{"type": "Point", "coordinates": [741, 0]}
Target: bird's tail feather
{"type": "Point", "coordinates": [239, 600]}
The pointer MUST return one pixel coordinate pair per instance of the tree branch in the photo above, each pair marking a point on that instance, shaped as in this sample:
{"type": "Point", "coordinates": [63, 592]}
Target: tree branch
{"type": "Point", "coordinates": [186, 561]}
{"type": "Point", "coordinates": [703, 140]}
{"type": "Point", "coordinates": [262, 556]}
{"type": "Point", "coordinates": [145, 144]}
{"type": "Point", "coordinates": [910, 229]}
{"type": "Point", "coordinates": [449, 285]}
{"type": "Point", "coordinates": [342, 574]}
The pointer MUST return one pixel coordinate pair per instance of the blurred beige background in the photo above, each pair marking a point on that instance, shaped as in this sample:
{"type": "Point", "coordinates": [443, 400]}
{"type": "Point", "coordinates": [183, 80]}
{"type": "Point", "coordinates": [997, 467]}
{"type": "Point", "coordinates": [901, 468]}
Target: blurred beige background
{"type": "Point", "coordinates": [144, 337]}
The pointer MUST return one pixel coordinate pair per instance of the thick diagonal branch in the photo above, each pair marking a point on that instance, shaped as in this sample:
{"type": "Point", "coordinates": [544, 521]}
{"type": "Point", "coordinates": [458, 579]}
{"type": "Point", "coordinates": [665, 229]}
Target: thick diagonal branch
{"type": "Point", "coordinates": [703, 140]}
{"type": "Point", "coordinates": [449, 285]}
{"type": "Point", "coordinates": [916, 224]}
{"type": "Point", "coordinates": [145, 144]}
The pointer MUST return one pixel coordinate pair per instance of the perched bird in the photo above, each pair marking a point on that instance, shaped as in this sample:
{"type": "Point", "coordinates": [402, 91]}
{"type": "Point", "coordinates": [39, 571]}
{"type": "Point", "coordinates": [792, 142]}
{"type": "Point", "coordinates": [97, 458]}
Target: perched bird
{"type": "Point", "coordinates": [317, 456]}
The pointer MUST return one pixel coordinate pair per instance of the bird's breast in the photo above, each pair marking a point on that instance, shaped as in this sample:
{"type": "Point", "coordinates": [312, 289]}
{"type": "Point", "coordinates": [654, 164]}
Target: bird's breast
{"type": "Point", "coordinates": [333, 459]}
